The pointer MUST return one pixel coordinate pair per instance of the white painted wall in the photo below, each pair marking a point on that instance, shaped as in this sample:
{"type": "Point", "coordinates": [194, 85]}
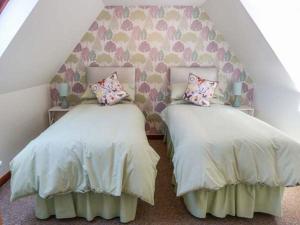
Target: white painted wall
{"type": "Point", "coordinates": [41, 45]}
{"type": "Point", "coordinates": [23, 115]}
{"type": "Point", "coordinates": [12, 18]}
{"type": "Point", "coordinates": [44, 41]}
{"type": "Point", "coordinates": [277, 101]}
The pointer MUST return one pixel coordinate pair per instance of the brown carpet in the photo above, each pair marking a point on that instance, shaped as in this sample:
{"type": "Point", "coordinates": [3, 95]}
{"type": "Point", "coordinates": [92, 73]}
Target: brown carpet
{"type": "Point", "coordinates": [168, 209]}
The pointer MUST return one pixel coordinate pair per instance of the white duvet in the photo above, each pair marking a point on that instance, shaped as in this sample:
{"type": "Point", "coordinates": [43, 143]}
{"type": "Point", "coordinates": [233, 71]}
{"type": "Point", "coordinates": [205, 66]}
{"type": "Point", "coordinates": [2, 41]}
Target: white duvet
{"type": "Point", "coordinates": [220, 145]}
{"type": "Point", "coordinates": [91, 148]}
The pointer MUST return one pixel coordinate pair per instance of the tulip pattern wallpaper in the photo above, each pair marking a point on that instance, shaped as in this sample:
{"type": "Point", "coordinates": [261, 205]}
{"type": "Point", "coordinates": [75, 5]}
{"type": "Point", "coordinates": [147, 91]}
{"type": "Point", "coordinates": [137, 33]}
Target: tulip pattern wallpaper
{"type": "Point", "coordinates": [152, 39]}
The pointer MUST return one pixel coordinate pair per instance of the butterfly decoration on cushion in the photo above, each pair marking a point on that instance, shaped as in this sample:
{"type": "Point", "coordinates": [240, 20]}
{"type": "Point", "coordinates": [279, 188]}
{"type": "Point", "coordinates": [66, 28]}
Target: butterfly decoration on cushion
{"type": "Point", "coordinates": [109, 91]}
{"type": "Point", "coordinates": [199, 91]}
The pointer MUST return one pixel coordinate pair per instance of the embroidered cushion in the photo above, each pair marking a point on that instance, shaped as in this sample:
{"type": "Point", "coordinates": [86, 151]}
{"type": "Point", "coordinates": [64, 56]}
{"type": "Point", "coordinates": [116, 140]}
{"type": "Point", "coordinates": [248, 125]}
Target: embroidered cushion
{"type": "Point", "coordinates": [109, 91]}
{"type": "Point", "coordinates": [199, 91]}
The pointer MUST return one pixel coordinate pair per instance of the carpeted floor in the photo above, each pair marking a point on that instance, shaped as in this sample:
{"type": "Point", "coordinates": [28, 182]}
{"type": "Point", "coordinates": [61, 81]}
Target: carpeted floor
{"type": "Point", "coordinates": [168, 209]}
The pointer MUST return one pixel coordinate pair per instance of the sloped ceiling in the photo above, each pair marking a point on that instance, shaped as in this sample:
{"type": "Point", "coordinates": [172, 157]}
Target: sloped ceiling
{"type": "Point", "coordinates": [276, 100]}
{"type": "Point", "coordinates": [44, 41]}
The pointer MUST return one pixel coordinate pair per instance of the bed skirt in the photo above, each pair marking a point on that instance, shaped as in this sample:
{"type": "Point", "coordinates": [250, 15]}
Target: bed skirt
{"type": "Point", "coordinates": [241, 200]}
{"type": "Point", "coordinates": [87, 205]}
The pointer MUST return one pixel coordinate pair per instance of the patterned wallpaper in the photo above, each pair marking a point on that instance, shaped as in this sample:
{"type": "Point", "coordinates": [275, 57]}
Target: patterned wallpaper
{"type": "Point", "coordinates": [152, 39]}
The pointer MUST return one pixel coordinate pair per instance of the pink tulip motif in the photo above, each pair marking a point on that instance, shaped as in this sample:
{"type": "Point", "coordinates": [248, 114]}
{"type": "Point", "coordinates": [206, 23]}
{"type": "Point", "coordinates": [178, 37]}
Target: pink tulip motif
{"type": "Point", "coordinates": [244, 87]}
{"type": "Point", "coordinates": [62, 69]}
{"type": "Point", "coordinates": [119, 54]}
{"type": "Point", "coordinates": [212, 47]}
{"type": "Point", "coordinates": [77, 88]}
{"type": "Point", "coordinates": [196, 25]}
{"type": "Point", "coordinates": [194, 64]}
{"type": "Point", "coordinates": [228, 68]}
{"type": "Point", "coordinates": [136, 33]}
{"type": "Point", "coordinates": [127, 25]}
{"type": "Point", "coordinates": [138, 74]}
{"type": "Point", "coordinates": [110, 47]}
{"type": "Point", "coordinates": [160, 107]}
{"type": "Point", "coordinates": [204, 33]}
{"type": "Point", "coordinates": [220, 54]}
{"type": "Point", "coordinates": [236, 74]}
{"type": "Point", "coordinates": [94, 26]}
{"type": "Point", "coordinates": [187, 54]}
{"type": "Point", "coordinates": [54, 94]}
{"type": "Point", "coordinates": [171, 33]}
{"type": "Point", "coordinates": [85, 54]}
{"type": "Point", "coordinates": [144, 47]}
{"type": "Point", "coordinates": [118, 11]}
{"type": "Point", "coordinates": [153, 94]}
{"type": "Point", "coordinates": [144, 88]}
{"type": "Point", "coordinates": [250, 95]}
{"type": "Point", "coordinates": [69, 75]}
{"type": "Point", "coordinates": [154, 54]}
{"type": "Point", "coordinates": [154, 10]}
{"type": "Point", "coordinates": [188, 12]}
{"type": "Point", "coordinates": [77, 48]}
{"type": "Point", "coordinates": [161, 25]}
{"type": "Point", "coordinates": [102, 33]}
{"type": "Point", "coordinates": [127, 64]}
{"type": "Point", "coordinates": [94, 64]}
{"type": "Point", "coordinates": [161, 68]}
{"type": "Point", "coordinates": [178, 47]}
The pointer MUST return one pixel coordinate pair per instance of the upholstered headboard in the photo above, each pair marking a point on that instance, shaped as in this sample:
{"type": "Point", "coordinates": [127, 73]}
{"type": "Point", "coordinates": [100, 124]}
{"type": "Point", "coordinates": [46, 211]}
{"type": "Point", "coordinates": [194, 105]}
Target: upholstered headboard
{"type": "Point", "coordinates": [179, 78]}
{"type": "Point", "coordinates": [181, 74]}
{"type": "Point", "coordinates": [126, 76]}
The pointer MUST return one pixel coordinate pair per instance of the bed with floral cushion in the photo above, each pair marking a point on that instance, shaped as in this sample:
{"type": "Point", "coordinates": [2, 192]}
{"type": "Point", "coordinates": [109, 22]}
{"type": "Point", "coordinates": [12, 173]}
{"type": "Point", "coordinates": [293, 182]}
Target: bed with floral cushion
{"type": "Point", "coordinates": [225, 161]}
{"type": "Point", "coordinates": [94, 161]}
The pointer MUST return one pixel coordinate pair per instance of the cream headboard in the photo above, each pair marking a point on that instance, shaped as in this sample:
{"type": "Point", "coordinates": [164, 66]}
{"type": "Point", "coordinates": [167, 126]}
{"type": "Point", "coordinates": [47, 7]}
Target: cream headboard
{"type": "Point", "coordinates": [126, 76]}
{"type": "Point", "coordinates": [181, 74]}
{"type": "Point", "coordinates": [179, 78]}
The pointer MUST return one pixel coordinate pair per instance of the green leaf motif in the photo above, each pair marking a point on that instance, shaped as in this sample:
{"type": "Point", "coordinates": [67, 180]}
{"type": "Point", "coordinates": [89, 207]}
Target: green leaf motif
{"type": "Point", "coordinates": [73, 99]}
{"type": "Point", "coordinates": [211, 35]}
{"type": "Point", "coordinates": [109, 34]}
{"type": "Point", "coordinates": [72, 59]}
{"type": "Point", "coordinates": [126, 12]}
{"type": "Point", "coordinates": [155, 79]}
{"type": "Point", "coordinates": [154, 118]}
{"type": "Point", "coordinates": [204, 16]}
{"type": "Point", "coordinates": [196, 12]}
{"type": "Point", "coordinates": [88, 37]}
{"type": "Point", "coordinates": [57, 79]}
{"type": "Point", "coordinates": [140, 98]}
{"type": "Point", "coordinates": [104, 15]}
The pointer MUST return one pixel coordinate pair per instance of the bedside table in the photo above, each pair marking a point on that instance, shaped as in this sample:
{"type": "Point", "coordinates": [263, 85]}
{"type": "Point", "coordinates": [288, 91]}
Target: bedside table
{"type": "Point", "coordinates": [246, 109]}
{"type": "Point", "coordinates": [56, 111]}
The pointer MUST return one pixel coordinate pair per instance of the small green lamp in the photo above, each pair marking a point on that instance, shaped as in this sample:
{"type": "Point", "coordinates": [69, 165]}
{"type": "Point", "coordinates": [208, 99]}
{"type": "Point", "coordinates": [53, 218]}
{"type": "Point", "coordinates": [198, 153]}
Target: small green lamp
{"type": "Point", "coordinates": [237, 92]}
{"type": "Point", "coordinates": [63, 90]}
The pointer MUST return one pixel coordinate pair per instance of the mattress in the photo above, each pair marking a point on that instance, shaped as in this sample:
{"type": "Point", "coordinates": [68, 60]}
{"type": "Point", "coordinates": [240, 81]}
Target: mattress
{"type": "Point", "coordinates": [93, 148]}
{"type": "Point", "coordinates": [220, 145]}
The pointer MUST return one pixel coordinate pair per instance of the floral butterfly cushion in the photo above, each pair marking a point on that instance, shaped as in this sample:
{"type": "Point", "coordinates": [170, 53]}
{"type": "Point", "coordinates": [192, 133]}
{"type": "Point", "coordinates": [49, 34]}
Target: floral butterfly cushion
{"type": "Point", "coordinates": [109, 91]}
{"type": "Point", "coordinates": [199, 91]}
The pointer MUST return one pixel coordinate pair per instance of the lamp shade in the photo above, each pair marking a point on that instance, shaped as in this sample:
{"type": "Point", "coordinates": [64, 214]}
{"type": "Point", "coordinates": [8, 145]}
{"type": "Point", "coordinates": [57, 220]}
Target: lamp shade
{"type": "Point", "coordinates": [63, 89]}
{"type": "Point", "coordinates": [237, 88]}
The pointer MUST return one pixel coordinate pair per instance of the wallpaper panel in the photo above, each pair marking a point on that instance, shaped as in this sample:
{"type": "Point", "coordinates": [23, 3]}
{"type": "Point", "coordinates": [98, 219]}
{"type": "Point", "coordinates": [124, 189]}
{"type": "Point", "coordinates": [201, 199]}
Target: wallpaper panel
{"type": "Point", "coordinates": [152, 39]}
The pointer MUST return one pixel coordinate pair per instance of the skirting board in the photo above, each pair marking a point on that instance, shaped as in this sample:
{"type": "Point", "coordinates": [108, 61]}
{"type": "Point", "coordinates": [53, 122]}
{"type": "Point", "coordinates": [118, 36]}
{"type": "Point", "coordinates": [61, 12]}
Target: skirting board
{"type": "Point", "coordinates": [4, 179]}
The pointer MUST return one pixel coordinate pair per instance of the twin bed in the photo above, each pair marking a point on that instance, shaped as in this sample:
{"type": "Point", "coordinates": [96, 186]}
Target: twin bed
{"type": "Point", "coordinates": [96, 161]}
{"type": "Point", "coordinates": [225, 161]}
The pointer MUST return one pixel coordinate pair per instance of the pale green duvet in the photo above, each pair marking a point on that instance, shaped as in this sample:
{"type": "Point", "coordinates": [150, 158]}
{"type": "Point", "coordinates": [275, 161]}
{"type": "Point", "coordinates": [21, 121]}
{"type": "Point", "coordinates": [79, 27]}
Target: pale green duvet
{"type": "Point", "coordinates": [91, 148]}
{"type": "Point", "coordinates": [219, 145]}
